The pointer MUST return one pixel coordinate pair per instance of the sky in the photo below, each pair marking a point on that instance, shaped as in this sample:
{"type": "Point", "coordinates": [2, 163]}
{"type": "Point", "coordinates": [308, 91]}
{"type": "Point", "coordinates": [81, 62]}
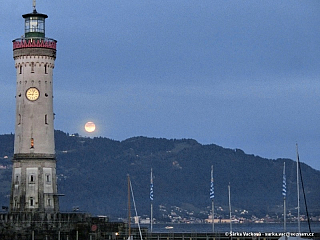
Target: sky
{"type": "Point", "coordinates": [242, 74]}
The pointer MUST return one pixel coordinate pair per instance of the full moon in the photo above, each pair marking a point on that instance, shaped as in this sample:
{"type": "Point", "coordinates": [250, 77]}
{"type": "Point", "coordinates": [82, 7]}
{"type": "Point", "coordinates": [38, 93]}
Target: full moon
{"type": "Point", "coordinates": [90, 127]}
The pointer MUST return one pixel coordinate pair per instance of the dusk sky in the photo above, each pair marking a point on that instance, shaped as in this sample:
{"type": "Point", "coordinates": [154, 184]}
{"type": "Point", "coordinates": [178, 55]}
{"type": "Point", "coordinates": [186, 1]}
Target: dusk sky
{"type": "Point", "coordinates": [237, 73]}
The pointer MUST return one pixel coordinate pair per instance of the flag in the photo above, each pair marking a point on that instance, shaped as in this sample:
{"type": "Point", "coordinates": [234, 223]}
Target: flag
{"type": "Point", "coordinates": [151, 191]}
{"type": "Point", "coordinates": [284, 181]}
{"type": "Point", "coordinates": [212, 185]}
{"type": "Point", "coordinates": [151, 186]}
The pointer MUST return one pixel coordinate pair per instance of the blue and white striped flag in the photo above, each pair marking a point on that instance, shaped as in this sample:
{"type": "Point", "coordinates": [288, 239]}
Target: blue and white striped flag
{"type": "Point", "coordinates": [284, 181]}
{"type": "Point", "coordinates": [151, 186]}
{"type": "Point", "coordinates": [212, 185]}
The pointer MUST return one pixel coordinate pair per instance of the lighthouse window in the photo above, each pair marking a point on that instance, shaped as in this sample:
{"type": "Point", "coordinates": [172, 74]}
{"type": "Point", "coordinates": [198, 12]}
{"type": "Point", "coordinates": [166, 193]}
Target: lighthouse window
{"type": "Point", "coordinates": [46, 68]}
{"type": "Point", "coordinates": [32, 143]}
{"type": "Point", "coordinates": [17, 180]}
{"type": "Point", "coordinates": [20, 69]}
{"type": "Point", "coordinates": [32, 67]}
{"type": "Point", "coordinates": [46, 119]}
{"type": "Point", "coordinates": [49, 202]}
{"type": "Point", "coordinates": [31, 179]}
{"type": "Point", "coordinates": [34, 24]}
{"type": "Point", "coordinates": [48, 180]}
{"type": "Point", "coordinates": [31, 202]}
{"type": "Point", "coordinates": [19, 119]}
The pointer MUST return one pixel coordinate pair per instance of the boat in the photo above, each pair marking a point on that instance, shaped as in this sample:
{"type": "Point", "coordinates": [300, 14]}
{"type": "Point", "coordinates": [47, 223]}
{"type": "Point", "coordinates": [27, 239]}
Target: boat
{"type": "Point", "coordinates": [168, 227]}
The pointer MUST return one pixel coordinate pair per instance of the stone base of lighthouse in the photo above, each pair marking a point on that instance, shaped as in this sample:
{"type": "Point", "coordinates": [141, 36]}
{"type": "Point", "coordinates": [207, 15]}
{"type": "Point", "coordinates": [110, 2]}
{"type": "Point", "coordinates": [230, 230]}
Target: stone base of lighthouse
{"type": "Point", "coordinates": [34, 187]}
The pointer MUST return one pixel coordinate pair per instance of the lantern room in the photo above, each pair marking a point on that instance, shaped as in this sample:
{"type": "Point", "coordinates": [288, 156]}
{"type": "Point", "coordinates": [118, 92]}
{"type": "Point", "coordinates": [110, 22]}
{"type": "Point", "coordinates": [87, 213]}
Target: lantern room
{"type": "Point", "coordinates": [34, 24]}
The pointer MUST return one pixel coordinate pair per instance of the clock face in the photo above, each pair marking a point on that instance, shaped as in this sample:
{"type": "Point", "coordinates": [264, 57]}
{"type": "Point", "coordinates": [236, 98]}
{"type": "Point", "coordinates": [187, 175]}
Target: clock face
{"type": "Point", "coordinates": [32, 94]}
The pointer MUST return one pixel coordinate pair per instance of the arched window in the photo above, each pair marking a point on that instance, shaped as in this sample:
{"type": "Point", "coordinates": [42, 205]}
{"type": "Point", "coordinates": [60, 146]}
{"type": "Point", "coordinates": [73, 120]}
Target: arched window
{"type": "Point", "coordinates": [17, 179]}
{"type": "Point", "coordinates": [32, 67]}
{"type": "Point", "coordinates": [31, 178]}
{"type": "Point", "coordinates": [48, 178]}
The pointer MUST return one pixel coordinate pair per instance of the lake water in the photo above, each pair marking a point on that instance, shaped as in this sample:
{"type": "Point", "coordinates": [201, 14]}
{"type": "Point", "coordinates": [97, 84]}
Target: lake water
{"type": "Point", "coordinates": [222, 228]}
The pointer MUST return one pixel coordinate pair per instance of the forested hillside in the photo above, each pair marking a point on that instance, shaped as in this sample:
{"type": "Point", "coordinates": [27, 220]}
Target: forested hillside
{"type": "Point", "coordinates": [92, 173]}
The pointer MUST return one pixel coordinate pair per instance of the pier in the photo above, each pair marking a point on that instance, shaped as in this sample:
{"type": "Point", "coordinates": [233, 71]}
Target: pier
{"type": "Point", "coordinates": [81, 226]}
{"type": "Point", "coordinates": [217, 236]}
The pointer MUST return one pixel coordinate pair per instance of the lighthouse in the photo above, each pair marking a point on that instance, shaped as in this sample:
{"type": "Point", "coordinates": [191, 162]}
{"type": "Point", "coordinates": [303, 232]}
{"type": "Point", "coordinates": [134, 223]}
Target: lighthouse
{"type": "Point", "coordinates": [34, 181]}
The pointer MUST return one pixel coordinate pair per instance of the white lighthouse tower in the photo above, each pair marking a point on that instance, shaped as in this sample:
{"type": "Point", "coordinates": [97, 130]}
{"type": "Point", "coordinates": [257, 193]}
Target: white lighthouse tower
{"type": "Point", "coordinates": [34, 183]}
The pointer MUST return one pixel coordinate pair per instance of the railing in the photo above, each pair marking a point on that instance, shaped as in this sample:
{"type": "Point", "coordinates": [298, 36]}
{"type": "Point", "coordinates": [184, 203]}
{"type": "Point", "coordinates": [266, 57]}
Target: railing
{"type": "Point", "coordinates": [34, 43]}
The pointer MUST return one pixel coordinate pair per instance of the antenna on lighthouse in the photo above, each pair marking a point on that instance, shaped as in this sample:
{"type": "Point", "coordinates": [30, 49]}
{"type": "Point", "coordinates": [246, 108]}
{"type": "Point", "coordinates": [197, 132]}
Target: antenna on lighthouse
{"type": "Point", "coordinates": [34, 5]}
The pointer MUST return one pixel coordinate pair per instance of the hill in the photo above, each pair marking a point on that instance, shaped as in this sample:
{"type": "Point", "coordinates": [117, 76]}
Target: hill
{"type": "Point", "coordinates": [92, 173]}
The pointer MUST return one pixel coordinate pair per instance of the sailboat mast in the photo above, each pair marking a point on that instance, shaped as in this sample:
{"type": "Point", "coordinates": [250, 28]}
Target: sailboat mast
{"type": "Point", "coordinates": [298, 190]}
{"type": "Point", "coordinates": [229, 193]}
{"type": "Point", "coordinates": [129, 209]}
{"type": "Point", "coordinates": [304, 194]}
{"type": "Point", "coordinates": [151, 218]}
{"type": "Point", "coordinates": [135, 209]}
